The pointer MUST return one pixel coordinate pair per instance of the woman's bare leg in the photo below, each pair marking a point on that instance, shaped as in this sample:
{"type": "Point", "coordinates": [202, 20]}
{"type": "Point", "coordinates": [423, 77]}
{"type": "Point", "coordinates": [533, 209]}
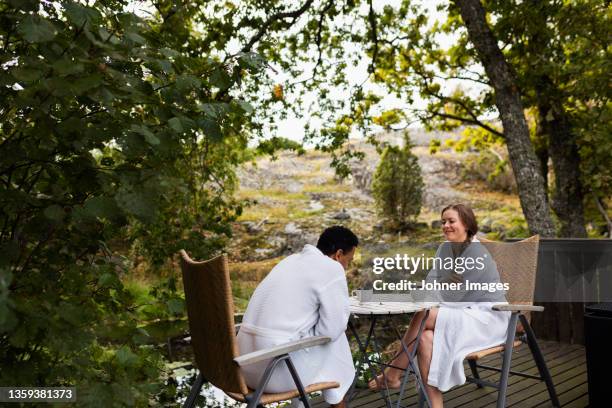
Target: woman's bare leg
{"type": "Point", "coordinates": [424, 353]}
{"type": "Point", "coordinates": [393, 375]}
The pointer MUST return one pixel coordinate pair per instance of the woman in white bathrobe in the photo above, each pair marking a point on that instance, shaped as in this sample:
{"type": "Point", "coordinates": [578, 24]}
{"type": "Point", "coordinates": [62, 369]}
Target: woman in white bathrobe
{"type": "Point", "coordinates": [304, 295]}
{"type": "Point", "coordinates": [460, 326]}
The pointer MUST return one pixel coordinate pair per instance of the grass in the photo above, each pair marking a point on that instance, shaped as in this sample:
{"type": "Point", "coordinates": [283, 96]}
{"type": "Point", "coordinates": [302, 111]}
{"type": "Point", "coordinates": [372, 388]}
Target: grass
{"type": "Point", "coordinates": [274, 193]}
{"type": "Point", "coordinates": [331, 186]}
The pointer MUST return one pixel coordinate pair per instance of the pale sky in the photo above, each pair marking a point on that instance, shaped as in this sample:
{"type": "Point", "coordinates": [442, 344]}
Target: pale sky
{"type": "Point", "coordinates": [293, 127]}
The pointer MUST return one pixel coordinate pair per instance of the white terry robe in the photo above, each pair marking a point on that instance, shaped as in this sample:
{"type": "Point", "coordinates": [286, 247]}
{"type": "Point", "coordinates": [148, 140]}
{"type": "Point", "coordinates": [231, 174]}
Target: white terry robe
{"type": "Point", "coordinates": [463, 328]}
{"type": "Point", "coordinates": [305, 295]}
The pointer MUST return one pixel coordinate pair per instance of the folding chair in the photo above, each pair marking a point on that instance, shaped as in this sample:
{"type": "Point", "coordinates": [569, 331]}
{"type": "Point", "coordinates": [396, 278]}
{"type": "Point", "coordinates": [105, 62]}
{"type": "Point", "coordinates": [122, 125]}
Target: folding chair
{"type": "Point", "coordinates": [210, 309]}
{"type": "Point", "coordinates": [517, 264]}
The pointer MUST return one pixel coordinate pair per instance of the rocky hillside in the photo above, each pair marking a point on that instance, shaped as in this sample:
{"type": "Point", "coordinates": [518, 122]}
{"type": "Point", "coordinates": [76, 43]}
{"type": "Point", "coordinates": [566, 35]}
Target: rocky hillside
{"type": "Point", "coordinates": [294, 197]}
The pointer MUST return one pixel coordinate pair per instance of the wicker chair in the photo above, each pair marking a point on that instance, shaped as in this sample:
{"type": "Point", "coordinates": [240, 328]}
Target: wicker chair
{"type": "Point", "coordinates": [210, 309]}
{"type": "Point", "coordinates": [517, 264]}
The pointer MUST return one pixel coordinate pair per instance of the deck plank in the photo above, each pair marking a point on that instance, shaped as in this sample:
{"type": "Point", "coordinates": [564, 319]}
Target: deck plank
{"type": "Point", "coordinates": [566, 363]}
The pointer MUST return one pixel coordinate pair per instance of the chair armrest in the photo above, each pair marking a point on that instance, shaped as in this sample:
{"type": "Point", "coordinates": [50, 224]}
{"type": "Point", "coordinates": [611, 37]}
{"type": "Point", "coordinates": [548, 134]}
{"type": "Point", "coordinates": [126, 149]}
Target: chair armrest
{"type": "Point", "coordinates": [265, 354]}
{"type": "Point", "coordinates": [518, 308]}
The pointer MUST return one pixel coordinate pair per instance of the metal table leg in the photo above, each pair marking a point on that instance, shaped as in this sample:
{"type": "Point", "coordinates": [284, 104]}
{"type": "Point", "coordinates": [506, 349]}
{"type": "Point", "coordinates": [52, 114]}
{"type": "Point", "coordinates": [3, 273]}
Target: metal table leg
{"type": "Point", "coordinates": [411, 363]}
{"type": "Point", "coordinates": [411, 368]}
{"type": "Point", "coordinates": [363, 347]}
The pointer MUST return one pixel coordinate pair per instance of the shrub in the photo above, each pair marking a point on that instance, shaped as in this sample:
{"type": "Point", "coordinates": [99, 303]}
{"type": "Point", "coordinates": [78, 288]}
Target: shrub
{"type": "Point", "coordinates": [112, 125]}
{"type": "Point", "coordinates": [490, 168]}
{"type": "Point", "coordinates": [398, 185]}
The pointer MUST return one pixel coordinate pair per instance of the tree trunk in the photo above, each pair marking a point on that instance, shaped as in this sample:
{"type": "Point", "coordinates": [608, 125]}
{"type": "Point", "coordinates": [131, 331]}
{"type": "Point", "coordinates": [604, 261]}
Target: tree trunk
{"type": "Point", "coordinates": [541, 150]}
{"type": "Point", "coordinates": [529, 179]}
{"type": "Point", "coordinates": [555, 126]}
{"type": "Point", "coordinates": [568, 195]}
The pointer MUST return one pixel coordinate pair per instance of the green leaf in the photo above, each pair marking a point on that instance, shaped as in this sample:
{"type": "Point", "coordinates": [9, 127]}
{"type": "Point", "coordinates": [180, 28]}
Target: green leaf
{"type": "Point", "coordinates": [211, 129]}
{"type": "Point", "coordinates": [213, 110]}
{"type": "Point", "coordinates": [101, 207]}
{"type": "Point", "coordinates": [25, 5]}
{"type": "Point", "coordinates": [108, 280]}
{"type": "Point", "coordinates": [165, 66]}
{"type": "Point", "coordinates": [176, 306]}
{"type": "Point", "coordinates": [245, 106]}
{"type": "Point", "coordinates": [72, 313]}
{"type": "Point", "coordinates": [54, 213]}
{"type": "Point", "coordinates": [79, 14]}
{"type": "Point", "coordinates": [82, 85]}
{"type": "Point", "coordinates": [176, 125]}
{"type": "Point", "coordinates": [67, 66]}
{"type": "Point", "coordinates": [220, 79]}
{"type": "Point", "coordinates": [185, 83]}
{"type": "Point", "coordinates": [141, 204]}
{"type": "Point", "coordinates": [26, 74]}
{"type": "Point", "coordinates": [126, 357]}
{"type": "Point", "coordinates": [135, 37]}
{"type": "Point", "coordinates": [36, 29]}
{"type": "Point", "coordinates": [169, 52]}
{"type": "Point", "coordinates": [148, 135]}
{"type": "Point", "coordinates": [252, 61]}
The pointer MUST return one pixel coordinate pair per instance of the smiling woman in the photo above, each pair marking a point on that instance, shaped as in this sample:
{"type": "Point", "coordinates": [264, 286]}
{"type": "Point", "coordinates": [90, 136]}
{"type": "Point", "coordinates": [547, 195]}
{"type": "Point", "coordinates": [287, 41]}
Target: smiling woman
{"type": "Point", "coordinates": [459, 223]}
{"type": "Point", "coordinates": [457, 327]}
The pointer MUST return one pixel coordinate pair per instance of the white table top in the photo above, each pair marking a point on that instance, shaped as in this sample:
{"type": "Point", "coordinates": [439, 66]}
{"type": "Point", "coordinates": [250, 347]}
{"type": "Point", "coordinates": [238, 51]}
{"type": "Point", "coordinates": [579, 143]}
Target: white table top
{"type": "Point", "coordinates": [388, 308]}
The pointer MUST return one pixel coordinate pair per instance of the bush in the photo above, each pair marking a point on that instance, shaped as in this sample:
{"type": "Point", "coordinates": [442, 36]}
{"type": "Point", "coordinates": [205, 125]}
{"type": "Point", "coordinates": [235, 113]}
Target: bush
{"type": "Point", "coordinates": [111, 126]}
{"type": "Point", "coordinates": [398, 185]}
{"type": "Point", "coordinates": [488, 167]}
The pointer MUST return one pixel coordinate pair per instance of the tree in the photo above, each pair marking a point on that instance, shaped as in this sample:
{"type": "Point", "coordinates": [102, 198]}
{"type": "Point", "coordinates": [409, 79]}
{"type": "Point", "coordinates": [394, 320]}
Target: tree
{"type": "Point", "coordinates": [534, 200]}
{"type": "Point", "coordinates": [558, 54]}
{"type": "Point", "coordinates": [554, 54]}
{"type": "Point", "coordinates": [397, 185]}
{"type": "Point", "coordinates": [112, 126]}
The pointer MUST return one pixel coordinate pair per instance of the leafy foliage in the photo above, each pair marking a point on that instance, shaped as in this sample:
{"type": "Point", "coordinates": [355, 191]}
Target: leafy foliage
{"type": "Point", "coordinates": [556, 50]}
{"type": "Point", "coordinates": [397, 185]}
{"type": "Point", "coordinates": [113, 127]}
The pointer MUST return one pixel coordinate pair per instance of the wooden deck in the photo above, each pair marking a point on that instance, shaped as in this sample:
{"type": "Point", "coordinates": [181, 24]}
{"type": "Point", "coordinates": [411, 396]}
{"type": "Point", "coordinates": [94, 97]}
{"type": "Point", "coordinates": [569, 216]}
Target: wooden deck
{"type": "Point", "coordinates": [566, 363]}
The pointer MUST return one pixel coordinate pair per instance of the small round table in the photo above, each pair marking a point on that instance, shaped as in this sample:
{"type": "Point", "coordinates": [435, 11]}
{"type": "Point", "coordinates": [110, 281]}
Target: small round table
{"type": "Point", "coordinates": [374, 310]}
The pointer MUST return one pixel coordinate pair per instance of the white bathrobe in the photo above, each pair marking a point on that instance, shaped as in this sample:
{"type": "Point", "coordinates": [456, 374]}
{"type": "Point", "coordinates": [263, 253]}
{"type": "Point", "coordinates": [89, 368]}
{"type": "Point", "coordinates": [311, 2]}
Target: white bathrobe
{"type": "Point", "coordinates": [463, 328]}
{"type": "Point", "coordinates": [304, 295]}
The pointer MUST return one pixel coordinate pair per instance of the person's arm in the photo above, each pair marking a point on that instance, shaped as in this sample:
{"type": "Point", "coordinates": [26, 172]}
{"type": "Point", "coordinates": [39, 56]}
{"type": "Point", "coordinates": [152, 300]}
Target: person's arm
{"type": "Point", "coordinates": [333, 309]}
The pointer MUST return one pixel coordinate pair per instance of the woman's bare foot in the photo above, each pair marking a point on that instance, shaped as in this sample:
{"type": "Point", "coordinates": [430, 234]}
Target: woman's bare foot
{"type": "Point", "coordinates": [378, 383]}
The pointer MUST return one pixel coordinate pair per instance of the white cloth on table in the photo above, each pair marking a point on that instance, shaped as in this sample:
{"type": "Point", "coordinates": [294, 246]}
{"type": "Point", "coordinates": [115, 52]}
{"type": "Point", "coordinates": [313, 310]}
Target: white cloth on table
{"type": "Point", "coordinates": [305, 295]}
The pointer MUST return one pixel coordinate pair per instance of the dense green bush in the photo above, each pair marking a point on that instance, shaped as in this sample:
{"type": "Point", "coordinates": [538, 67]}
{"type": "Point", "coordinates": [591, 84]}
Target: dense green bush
{"type": "Point", "coordinates": [397, 185]}
{"type": "Point", "coordinates": [112, 127]}
{"type": "Point", "coordinates": [491, 168]}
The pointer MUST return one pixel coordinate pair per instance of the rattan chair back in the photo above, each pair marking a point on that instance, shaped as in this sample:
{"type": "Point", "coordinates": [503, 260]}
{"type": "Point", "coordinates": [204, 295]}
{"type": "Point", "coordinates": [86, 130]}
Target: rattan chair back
{"type": "Point", "coordinates": [210, 309]}
{"type": "Point", "coordinates": [517, 264]}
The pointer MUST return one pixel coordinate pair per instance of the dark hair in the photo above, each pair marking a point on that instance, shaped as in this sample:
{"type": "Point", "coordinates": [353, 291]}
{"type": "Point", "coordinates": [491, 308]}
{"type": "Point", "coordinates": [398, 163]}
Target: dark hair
{"type": "Point", "coordinates": [467, 217]}
{"type": "Point", "coordinates": [335, 238]}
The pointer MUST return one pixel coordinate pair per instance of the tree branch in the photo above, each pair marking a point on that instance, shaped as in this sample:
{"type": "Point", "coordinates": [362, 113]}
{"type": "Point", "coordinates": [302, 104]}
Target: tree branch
{"type": "Point", "coordinates": [318, 37]}
{"type": "Point", "coordinates": [604, 214]}
{"type": "Point", "coordinates": [276, 17]}
{"type": "Point", "coordinates": [466, 120]}
{"type": "Point", "coordinates": [373, 36]}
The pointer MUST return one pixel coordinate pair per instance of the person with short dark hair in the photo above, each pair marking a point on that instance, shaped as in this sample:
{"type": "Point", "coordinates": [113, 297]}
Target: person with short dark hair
{"type": "Point", "coordinates": [338, 243]}
{"type": "Point", "coordinates": [305, 295]}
